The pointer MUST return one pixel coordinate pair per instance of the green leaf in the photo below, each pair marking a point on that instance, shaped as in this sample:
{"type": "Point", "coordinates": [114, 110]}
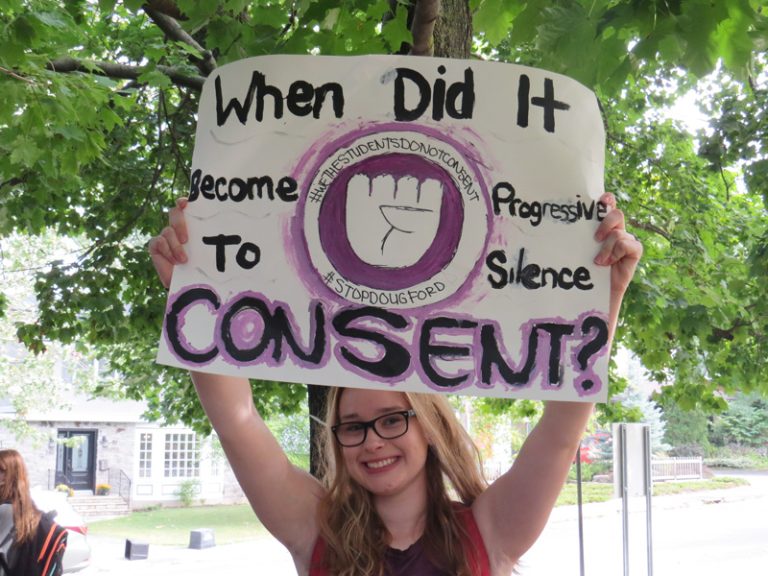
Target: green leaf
{"type": "Point", "coordinates": [734, 42]}
{"type": "Point", "coordinates": [494, 19]}
{"type": "Point", "coordinates": [331, 19]}
{"type": "Point", "coordinates": [133, 5]}
{"type": "Point", "coordinates": [25, 152]}
{"type": "Point", "coordinates": [156, 78]}
{"type": "Point", "coordinates": [525, 25]}
{"type": "Point", "coordinates": [396, 32]}
{"type": "Point", "coordinates": [53, 19]}
{"type": "Point", "coordinates": [23, 30]}
{"type": "Point", "coordinates": [107, 6]}
{"type": "Point", "coordinates": [191, 50]}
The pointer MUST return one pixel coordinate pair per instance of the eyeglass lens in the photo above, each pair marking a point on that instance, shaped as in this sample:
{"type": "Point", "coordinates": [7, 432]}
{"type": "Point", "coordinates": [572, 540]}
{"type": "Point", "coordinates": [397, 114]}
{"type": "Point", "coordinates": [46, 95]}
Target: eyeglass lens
{"type": "Point", "coordinates": [388, 426]}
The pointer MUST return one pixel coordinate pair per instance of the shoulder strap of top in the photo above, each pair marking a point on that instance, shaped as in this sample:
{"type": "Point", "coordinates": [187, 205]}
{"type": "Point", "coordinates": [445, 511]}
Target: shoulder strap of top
{"type": "Point", "coordinates": [475, 547]}
{"type": "Point", "coordinates": [316, 567]}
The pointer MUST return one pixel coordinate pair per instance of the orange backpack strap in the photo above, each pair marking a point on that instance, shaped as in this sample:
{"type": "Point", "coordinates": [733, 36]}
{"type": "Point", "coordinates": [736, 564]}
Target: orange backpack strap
{"type": "Point", "coordinates": [52, 550]}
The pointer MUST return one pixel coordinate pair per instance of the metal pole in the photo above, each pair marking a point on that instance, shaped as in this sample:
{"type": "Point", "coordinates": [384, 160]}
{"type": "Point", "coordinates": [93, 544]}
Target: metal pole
{"type": "Point", "coordinates": [624, 495]}
{"type": "Point", "coordinates": [648, 494]}
{"type": "Point", "coordinates": [581, 516]}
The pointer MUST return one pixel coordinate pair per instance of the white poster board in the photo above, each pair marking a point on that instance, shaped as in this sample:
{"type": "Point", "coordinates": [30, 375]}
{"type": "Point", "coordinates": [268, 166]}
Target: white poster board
{"type": "Point", "coordinates": [403, 223]}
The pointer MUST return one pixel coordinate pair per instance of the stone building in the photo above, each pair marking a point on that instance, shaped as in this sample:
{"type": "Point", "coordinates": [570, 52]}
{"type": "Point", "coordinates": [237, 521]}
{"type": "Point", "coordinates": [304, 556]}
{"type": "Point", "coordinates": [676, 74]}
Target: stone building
{"type": "Point", "coordinates": [99, 441]}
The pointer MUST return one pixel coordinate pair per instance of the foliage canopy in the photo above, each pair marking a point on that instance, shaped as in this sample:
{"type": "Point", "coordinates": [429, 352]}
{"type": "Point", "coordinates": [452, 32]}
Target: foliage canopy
{"type": "Point", "coordinates": [97, 118]}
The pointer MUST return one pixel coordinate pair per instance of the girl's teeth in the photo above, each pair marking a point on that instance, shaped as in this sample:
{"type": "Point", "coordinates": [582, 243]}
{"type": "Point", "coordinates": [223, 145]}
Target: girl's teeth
{"type": "Point", "coordinates": [380, 463]}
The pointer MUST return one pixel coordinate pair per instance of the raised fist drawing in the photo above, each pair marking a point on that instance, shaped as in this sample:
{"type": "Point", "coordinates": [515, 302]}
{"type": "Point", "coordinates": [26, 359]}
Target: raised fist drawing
{"type": "Point", "coordinates": [392, 223]}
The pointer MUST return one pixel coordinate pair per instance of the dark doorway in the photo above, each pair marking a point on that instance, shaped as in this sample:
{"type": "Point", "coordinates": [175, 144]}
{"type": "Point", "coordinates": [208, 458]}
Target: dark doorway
{"type": "Point", "coordinates": [76, 460]}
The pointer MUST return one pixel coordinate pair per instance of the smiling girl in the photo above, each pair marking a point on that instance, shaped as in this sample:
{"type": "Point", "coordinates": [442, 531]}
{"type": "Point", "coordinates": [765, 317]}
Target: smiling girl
{"type": "Point", "coordinates": [395, 462]}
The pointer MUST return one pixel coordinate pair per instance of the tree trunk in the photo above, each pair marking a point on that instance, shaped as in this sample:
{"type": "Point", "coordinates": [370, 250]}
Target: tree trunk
{"type": "Point", "coordinates": [453, 39]}
{"type": "Point", "coordinates": [316, 396]}
{"type": "Point", "coordinates": [453, 30]}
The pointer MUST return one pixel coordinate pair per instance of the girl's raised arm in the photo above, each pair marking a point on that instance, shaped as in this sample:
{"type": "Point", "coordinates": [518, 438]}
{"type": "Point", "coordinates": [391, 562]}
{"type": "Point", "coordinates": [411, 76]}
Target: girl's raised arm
{"type": "Point", "coordinates": [284, 497]}
{"type": "Point", "coordinates": [513, 511]}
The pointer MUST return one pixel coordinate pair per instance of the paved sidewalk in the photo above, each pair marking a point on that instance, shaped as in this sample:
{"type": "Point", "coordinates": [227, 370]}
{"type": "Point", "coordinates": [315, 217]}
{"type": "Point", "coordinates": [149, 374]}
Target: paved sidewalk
{"type": "Point", "coordinates": [262, 556]}
{"type": "Point", "coordinates": [556, 552]}
{"type": "Point", "coordinates": [707, 533]}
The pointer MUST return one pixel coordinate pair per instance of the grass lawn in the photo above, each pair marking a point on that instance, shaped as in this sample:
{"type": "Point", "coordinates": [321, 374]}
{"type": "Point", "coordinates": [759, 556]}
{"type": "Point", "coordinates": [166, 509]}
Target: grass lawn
{"type": "Point", "coordinates": [171, 526]}
{"type": "Point", "coordinates": [599, 492]}
{"type": "Point", "coordinates": [666, 488]}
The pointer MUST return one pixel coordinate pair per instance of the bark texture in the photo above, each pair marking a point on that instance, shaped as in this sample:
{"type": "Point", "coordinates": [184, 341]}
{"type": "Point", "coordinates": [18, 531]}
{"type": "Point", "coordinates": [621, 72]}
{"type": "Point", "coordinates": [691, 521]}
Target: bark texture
{"type": "Point", "coordinates": [316, 396]}
{"type": "Point", "coordinates": [453, 30]}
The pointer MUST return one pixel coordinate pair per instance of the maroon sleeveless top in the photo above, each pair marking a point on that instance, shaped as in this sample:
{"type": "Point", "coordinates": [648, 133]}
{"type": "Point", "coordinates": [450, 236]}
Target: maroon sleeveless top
{"type": "Point", "coordinates": [414, 561]}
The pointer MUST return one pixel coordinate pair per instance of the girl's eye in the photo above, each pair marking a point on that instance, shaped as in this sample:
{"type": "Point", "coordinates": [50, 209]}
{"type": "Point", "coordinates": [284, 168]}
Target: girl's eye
{"type": "Point", "coordinates": [393, 420]}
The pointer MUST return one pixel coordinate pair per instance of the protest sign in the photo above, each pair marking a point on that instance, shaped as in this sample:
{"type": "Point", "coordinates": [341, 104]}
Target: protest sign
{"type": "Point", "coordinates": [402, 223]}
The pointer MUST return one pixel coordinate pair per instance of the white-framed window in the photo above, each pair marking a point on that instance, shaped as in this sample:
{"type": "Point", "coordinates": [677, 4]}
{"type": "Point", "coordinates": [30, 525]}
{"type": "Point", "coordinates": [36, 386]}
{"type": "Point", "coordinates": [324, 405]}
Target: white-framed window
{"type": "Point", "coordinates": [182, 455]}
{"type": "Point", "coordinates": [217, 456]}
{"type": "Point", "coordinates": [145, 455]}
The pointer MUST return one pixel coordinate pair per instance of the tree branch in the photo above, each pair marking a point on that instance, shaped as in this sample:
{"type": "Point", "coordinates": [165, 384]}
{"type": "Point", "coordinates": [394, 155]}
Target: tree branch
{"type": "Point", "coordinates": [12, 182]}
{"type": "Point", "coordinates": [13, 74]}
{"type": "Point", "coordinates": [425, 15]}
{"type": "Point", "coordinates": [651, 228]}
{"type": "Point", "coordinates": [114, 70]}
{"type": "Point", "coordinates": [167, 7]}
{"type": "Point", "coordinates": [291, 21]}
{"type": "Point", "coordinates": [174, 31]}
{"type": "Point", "coordinates": [719, 334]}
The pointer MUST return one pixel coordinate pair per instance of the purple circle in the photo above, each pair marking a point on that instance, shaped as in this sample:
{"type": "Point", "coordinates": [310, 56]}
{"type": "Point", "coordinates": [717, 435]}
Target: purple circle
{"type": "Point", "coordinates": [335, 241]}
{"type": "Point", "coordinates": [247, 328]}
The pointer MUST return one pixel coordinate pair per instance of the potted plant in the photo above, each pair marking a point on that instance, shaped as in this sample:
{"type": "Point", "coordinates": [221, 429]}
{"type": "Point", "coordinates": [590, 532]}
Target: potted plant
{"type": "Point", "coordinates": [66, 489]}
{"type": "Point", "coordinates": [103, 489]}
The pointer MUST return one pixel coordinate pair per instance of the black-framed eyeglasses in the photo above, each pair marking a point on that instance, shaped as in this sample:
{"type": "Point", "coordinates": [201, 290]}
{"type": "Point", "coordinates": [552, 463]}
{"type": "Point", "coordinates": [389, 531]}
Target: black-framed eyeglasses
{"type": "Point", "coordinates": [387, 426]}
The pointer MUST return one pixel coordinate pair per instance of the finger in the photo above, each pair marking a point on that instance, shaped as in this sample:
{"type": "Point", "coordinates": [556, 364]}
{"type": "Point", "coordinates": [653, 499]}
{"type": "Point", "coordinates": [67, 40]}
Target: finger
{"type": "Point", "coordinates": [609, 200]}
{"type": "Point", "coordinates": [178, 221]}
{"type": "Point", "coordinates": [430, 194]}
{"type": "Point", "coordinates": [158, 246]}
{"type": "Point", "coordinates": [177, 253]}
{"type": "Point", "coordinates": [619, 245]}
{"type": "Point", "coordinates": [614, 220]}
{"type": "Point", "coordinates": [407, 191]}
{"type": "Point", "coordinates": [161, 256]}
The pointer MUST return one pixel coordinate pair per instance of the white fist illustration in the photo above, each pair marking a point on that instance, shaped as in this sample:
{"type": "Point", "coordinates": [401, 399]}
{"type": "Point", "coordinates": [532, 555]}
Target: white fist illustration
{"type": "Point", "coordinates": [391, 223]}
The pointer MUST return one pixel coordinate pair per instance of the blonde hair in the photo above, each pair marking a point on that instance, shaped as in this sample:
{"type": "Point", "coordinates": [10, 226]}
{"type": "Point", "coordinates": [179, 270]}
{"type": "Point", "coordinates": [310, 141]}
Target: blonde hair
{"type": "Point", "coordinates": [15, 490]}
{"type": "Point", "coordinates": [356, 538]}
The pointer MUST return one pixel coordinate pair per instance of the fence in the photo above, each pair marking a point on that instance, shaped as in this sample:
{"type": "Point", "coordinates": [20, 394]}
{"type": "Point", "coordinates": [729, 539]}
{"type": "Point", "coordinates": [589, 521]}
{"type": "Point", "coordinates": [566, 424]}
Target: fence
{"type": "Point", "coordinates": [677, 469]}
{"type": "Point", "coordinates": [661, 469]}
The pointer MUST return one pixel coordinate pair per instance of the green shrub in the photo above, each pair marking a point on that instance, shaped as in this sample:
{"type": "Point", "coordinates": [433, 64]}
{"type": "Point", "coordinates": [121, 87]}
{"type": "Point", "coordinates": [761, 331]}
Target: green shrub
{"type": "Point", "coordinates": [686, 431]}
{"type": "Point", "coordinates": [745, 423]}
{"type": "Point", "coordinates": [735, 462]}
{"type": "Point", "coordinates": [187, 492]}
{"type": "Point", "coordinates": [590, 469]}
{"type": "Point", "coordinates": [734, 456]}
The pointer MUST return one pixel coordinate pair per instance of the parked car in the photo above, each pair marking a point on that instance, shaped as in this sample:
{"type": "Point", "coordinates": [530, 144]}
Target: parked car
{"type": "Point", "coordinates": [77, 556]}
{"type": "Point", "coordinates": [593, 447]}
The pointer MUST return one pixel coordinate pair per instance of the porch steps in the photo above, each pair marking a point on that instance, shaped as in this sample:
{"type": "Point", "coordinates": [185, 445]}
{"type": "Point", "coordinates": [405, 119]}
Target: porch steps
{"type": "Point", "coordinates": [99, 506]}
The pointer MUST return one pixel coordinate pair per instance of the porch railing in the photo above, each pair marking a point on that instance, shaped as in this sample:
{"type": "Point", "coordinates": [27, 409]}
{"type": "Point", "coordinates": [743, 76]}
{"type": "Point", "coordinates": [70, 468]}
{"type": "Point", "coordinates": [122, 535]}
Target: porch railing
{"type": "Point", "coordinates": [120, 483]}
